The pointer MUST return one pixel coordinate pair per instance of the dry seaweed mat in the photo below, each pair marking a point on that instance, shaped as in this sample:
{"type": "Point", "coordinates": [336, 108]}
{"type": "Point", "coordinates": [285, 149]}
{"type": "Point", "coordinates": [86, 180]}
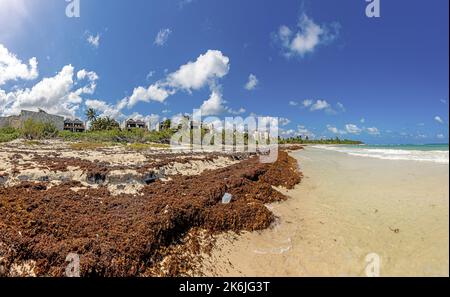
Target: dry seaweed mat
{"type": "Point", "coordinates": [155, 232]}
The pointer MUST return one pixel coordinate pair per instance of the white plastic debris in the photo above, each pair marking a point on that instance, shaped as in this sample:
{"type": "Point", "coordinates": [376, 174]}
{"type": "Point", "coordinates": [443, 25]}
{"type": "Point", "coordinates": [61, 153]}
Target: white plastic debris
{"type": "Point", "coordinates": [227, 198]}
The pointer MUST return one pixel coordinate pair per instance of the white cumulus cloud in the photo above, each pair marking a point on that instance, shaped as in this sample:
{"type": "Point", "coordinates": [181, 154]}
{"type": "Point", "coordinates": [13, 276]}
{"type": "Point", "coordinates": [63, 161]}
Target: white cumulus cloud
{"type": "Point", "coordinates": [303, 131]}
{"type": "Point", "coordinates": [284, 121]}
{"type": "Point", "coordinates": [335, 130]}
{"type": "Point", "coordinates": [92, 78]}
{"type": "Point", "coordinates": [306, 37]}
{"type": "Point", "coordinates": [323, 105]}
{"type": "Point", "coordinates": [373, 131]}
{"type": "Point", "coordinates": [214, 105]}
{"type": "Point", "coordinates": [438, 119]}
{"type": "Point", "coordinates": [251, 83]}
{"type": "Point", "coordinates": [288, 133]}
{"type": "Point", "coordinates": [105, 109]}
{"type": "Point", "coordinates": [12, 68]}
{"type": "Point", "coordinates": [236, 112]}
{"type": "Point", "coordinates": [191, 76]}
{"type": "Point", "coordinates": [94, 40]}
{"type": "Point", "coordinates": [56, 94]}
{"type": "Point", "coordinates": [320, 105]}
{"type": "Point", "coordinates": [353, 129]}
{"type": "Point", "coordinates": [154, 92]}
{"type": "Point", "coordinates": [195, 75]}
{"type": "Point", "coordinates": [307, 103]}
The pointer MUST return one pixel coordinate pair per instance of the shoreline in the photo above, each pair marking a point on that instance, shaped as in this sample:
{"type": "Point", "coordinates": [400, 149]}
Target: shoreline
{"type": "Point", "coordinates": [346, 208]}
{"type": "Point", "coordinates": [97, 203]}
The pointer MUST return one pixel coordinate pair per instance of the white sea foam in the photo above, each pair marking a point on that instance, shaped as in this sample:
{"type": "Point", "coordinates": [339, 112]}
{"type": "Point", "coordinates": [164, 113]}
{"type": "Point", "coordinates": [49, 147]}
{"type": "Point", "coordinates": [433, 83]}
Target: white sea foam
{"type": "Point", "coordinates": [436, 156]}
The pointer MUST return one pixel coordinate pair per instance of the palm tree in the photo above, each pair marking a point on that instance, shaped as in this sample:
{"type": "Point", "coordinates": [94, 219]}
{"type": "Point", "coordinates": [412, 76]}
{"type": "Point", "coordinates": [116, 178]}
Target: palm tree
{"type": "Point", "coordinates": [91, 114]}
{"type": "Point", "coordinates": [166, 125]}
{"type": "Point", "coordinates": [104, 124]}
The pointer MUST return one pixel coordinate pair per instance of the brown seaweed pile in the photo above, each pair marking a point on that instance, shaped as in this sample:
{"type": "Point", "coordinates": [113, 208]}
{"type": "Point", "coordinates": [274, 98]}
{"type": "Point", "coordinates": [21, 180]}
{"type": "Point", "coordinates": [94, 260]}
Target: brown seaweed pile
{"type": "Point", "coordinates": [130, 235]}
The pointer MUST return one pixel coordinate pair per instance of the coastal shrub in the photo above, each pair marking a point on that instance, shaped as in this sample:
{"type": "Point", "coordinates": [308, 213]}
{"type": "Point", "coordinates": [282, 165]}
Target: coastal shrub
{"type": "Point", "coordinates": [31, 130]}
{"type": "Point", "coordinates": [70, 136]}
{"type": "Point", "coordinates": [38, 130]}
{"type": "Point", "coordinates": [104, 124]}
{"type": "Point", "coordinates": [133, 135]}
{"type": "Point", "coordinates": [119, 136]}
{"type": "Point", "coordinates": [49, 130]}
{"type": "Point", "coordinates": [162, 136]}
{"type": "Point", "coordinates": [8, 134]}
{"type": "Point", "coordinates": [91, 136]}
{"type": "Point", "coordinates": [8, 130]}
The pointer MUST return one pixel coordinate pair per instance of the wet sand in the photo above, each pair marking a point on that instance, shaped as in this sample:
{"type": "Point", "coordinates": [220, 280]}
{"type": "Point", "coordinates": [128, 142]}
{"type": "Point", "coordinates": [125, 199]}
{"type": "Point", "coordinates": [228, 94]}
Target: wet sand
{"type": "Point", "coordinates": [346, 208]}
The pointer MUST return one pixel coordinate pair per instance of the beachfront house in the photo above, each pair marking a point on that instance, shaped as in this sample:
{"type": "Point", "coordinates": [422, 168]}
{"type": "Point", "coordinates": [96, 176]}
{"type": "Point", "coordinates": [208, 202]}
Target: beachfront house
{"type": "Point", "coordinates": [74, 125]}
{"type": "Point", "coordinates": [135, 124]}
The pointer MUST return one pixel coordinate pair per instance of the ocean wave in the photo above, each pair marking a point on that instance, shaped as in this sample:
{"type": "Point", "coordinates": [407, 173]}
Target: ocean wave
{"type": "Point", "coordinates": [435, 156]}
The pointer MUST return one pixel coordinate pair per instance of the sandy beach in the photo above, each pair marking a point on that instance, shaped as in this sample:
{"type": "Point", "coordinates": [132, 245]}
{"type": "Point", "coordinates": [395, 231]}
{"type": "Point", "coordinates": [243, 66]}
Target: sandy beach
{"type": "Point", "coordinates": [345, 208]}
{"type": "Point", "coordinates": [315, 212]}
{"type": "Point", "coordinates": [127, 212]}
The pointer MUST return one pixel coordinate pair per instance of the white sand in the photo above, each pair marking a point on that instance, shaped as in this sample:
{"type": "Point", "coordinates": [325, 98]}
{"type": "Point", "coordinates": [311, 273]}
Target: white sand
{"type": "Point", "coordinates": [124, 181]}
{"type": "Point", "coordinates": [346, 208]}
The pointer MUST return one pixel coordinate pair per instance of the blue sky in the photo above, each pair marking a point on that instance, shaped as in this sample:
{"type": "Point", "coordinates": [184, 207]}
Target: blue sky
{"type": "Point", "coordinates": [322, 66]}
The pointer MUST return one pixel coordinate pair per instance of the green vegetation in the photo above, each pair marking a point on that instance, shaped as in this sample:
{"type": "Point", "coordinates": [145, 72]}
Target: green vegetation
{"type": "Point", "coordinates": [103, 124]}
{"type": "Point", "coordinates": [32, 130]}
{"type": "Point", "coordinates": [91, 114]}
{"type": "Point", "coordinates": [106, 131]}
{"type": "Point", "coordinates": [166, 124]}
{"type": "Point", "coordinates": [9, 134]}
{"type": "Point", "coordinates": [119, 136]}
{"type": "Point", "coordinates": [300, 140]}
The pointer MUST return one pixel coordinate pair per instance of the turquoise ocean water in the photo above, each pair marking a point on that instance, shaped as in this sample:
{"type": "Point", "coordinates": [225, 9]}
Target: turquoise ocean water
{"type": "Point", "coordinates": [437, 153]}
{"type": "Point", "coordinates": [419, 147]}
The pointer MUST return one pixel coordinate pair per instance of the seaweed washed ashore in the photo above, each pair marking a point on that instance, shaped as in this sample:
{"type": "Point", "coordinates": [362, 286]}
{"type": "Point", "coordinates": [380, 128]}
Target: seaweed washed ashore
{"type": "Point", "coordinates": [128, 213]}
